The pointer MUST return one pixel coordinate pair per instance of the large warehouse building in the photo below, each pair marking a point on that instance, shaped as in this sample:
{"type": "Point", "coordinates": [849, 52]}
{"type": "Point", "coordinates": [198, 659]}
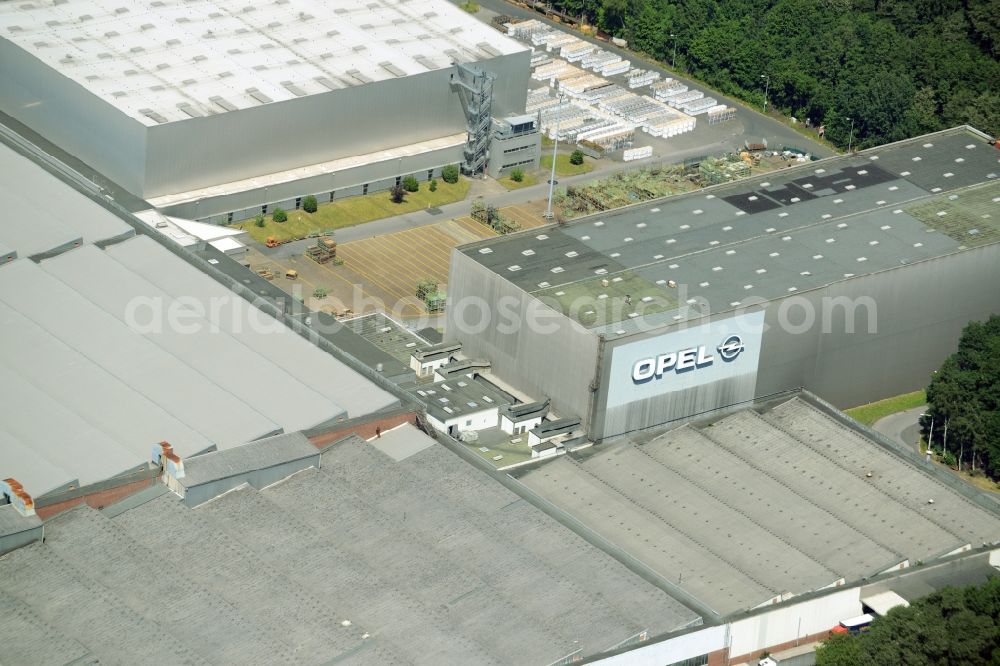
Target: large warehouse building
{"type": "Point", "coordinates": [852, 277]}
{"type": "Point", "coordinates": [211, 107]}
{"type": "Point", "coordinates": [113, 343]}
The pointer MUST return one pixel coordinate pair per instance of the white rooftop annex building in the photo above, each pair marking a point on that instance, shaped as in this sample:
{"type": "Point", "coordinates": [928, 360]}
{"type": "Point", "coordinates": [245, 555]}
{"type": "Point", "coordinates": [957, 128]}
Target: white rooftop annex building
{"type": "Point", "coordinates": [88, 390]}
{"type": "Point", "coordinates": [181, 101]}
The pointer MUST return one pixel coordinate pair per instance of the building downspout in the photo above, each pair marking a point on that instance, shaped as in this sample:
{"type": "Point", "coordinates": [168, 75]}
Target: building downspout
{"type": "Point", "coordinates": [595, 389]}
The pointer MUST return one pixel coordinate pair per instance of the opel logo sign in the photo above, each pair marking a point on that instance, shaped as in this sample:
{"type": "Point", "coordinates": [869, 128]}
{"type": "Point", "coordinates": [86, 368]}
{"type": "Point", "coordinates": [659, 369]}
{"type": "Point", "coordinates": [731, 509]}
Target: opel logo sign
{"type": "Point", "coordinates": [685, 360]}
{"type": "Point", "coordinates": [730, 348]}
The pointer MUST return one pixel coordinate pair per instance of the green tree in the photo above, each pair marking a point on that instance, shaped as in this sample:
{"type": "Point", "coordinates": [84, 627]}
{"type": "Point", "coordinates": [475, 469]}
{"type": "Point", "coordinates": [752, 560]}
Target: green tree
{"type": "Point", "coordinates": [951, 626]}
{"type": "Point", "coordinates": [410, 184]}
{"type": "Point", "coordinates": [279, 215]}
{"type": "Point", "coordinates": [517, 175]}
{"type": "Point", "coordinates": [897, 67]}
{"type": "Point", "coordinates": [576, 157]}
{"type": "Point", "coordinates": [433, 185]}
{"type": "Point", "coordinates": [839, 650]}
{"type": "Point", "coordinates": [259, 220]}
{"type": "Point", "coordinates": [320, 292]}
{"type": "Point", "coordinates": [449, 174]}
{"type": "Point", "coordinates": [965, 394]}
{"type": "Point", "coordinates": [309, 204]}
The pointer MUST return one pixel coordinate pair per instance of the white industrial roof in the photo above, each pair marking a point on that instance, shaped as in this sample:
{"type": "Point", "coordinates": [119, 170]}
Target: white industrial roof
{"type": "Point", "coordinates": [258, 331]}
{"type": "Point", "coordinates": [166, 60]}
{"type": "Point", "coordinates": [28, 196]}
{"type": "Point", "coordinates": [88, 393]}
{"type": "Point", "coordinates": [883, 602]}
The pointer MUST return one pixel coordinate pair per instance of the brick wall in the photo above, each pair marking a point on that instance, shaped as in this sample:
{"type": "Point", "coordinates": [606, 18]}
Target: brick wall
{"type": "Point", "coordinates": [97, 500]}
{"type": "Point", "coordinates": [364, 430]}
{"type": "Point", "coordinates": [717, 658]}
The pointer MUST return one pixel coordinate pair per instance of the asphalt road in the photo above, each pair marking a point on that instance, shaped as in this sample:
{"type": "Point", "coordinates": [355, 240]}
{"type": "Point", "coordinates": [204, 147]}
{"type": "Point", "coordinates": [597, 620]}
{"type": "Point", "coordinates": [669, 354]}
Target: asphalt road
{"type": "Point", "coordinates": [902, 427]}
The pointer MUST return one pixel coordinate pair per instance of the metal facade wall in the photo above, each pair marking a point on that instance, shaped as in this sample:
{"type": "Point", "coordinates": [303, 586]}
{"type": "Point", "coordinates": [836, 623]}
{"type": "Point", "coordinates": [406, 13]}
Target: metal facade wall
{"type": "Point", "coordinates": [559, 365]}
{"type": "Point", "coordinates": [921, 310]}
{"type": "Point", "coordinates": [71, 117]}
{"type": "Point", "coordinates": [201, 152]}
{"type": "Point", "coordinates": [626, 406]}
{"type": "Point", "coordinates": [259, 478]}
{"type": "Point", "coordinates": [378, 175]}
{"type": "Point", "coordinates": [527, 147]}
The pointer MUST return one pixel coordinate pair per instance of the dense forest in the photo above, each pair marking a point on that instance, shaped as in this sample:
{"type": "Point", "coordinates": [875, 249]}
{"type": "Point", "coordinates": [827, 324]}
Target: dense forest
{"type": "Point", "coordinates": [898, 68]}
{"type": "Point", "coordinates": [953, 626]}
{"type": "Point", "coordinates": [963, 401]}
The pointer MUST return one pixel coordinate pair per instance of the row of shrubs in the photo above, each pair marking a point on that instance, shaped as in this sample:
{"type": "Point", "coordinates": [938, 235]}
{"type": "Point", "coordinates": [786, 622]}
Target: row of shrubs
{"type": "Point", "coordinates": [449, 174]}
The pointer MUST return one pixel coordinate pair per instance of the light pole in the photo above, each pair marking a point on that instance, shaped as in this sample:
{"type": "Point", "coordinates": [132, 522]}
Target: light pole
{"type": "Point", "coordinates": [930, 437]}
{"type": "Point", "coordinates": [555, 147]}
{"type": "Point", "coordinates": [673, 61]}
{"type": "Point", "coordinates": [767, 86]}
{"type": "Point", "coordinates": [850, 139]}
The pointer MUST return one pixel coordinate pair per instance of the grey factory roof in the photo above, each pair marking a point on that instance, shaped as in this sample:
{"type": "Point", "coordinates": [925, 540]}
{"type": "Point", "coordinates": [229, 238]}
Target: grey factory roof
{"type": "Point", "coordinates": [762, 238]}
{"type": "Point", "coordinates": [556, 427]}
{"type": "Point", "coordinates": [260, 454]}
{"type": "Point", "coordinates": [388, 335]}
{"type": "Point", "coordinates": [45, 225]}
{"type": "Point", "coordinates": [526, 410]}
{"type": "Point", "coordinates": [161, 61]}
{"type": "Point", "coordinates": [458, 397]}
{"type": "Point", "coordinates": [756, 506]}
{"type": "Point", "coordinates": [12, 522]}
{"type": "Point", "coordinates": [437, 351]}
{"type": "Point", "coordinates": [325, 325]}
{"type": "Point", "coordinates": [463, 368]}
{"type": "Point", "coordinates": [368, 560]}
{"type": "Point", "coordinates": [109, 351]}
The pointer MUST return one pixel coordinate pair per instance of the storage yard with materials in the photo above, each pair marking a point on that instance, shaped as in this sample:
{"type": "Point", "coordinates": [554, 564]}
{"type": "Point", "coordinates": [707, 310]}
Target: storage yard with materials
{"type": "Point", "coordinates": [386, 268]}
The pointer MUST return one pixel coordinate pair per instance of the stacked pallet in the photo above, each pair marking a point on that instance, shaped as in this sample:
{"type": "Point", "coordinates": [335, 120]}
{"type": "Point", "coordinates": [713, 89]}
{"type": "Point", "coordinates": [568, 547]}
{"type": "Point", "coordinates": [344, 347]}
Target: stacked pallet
{"type": "Point", "coordinates": [669, 92]}
{"type": "Point", "coordinates": [576, 51]}
{"type": "Point", "coordinates": [638, 78]}
{"type": "Point", "coordinates": [539, 58]}
{"type": "Point", "coordinates": [612, 68]}
{"type": "Point", "coordinates": [634, 108]}
{"type": "Point", "coordinates": [684, 98]}
{"type": "Point", "coordinates": [611, 137]}
{"type": "Point", "coordinates": [720, 114]}
{"type": "Point", "coordinates": [608, 93]}
{"type": "Point", "coordinates": [524, 30]}
{"type": "Point", "coordinates": [637, 153]}
{"type": "Point", "coordinates": [700, 106]}
{"type": "Point", "coordinates": [558, 40]}
{"type": "Point", "coordinates": [586, 88]}
{"type": "Point", "coordinates": [540, 38]}
{"type": "Point", "coordinates": [597, 59]}
{"type": "Point", "coordinates": [669, 123]}
{"type": "Point", "coordinates": [555, 71]}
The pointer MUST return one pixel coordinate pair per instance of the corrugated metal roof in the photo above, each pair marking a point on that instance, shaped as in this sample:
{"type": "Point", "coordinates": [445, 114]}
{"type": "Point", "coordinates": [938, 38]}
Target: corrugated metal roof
{"type": "Point", "coordinates": [270, 575]}
{"type": "Point", "coordinates": [36, 208]}
{"type": "Point", "coordinates": [257, 455]}
{"type": "Point", "coordinates": [89, 392]}
{"type": "Point", "coordinates": [223, 359]}
{"type": "Point", "coordinates": [258, 331]}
